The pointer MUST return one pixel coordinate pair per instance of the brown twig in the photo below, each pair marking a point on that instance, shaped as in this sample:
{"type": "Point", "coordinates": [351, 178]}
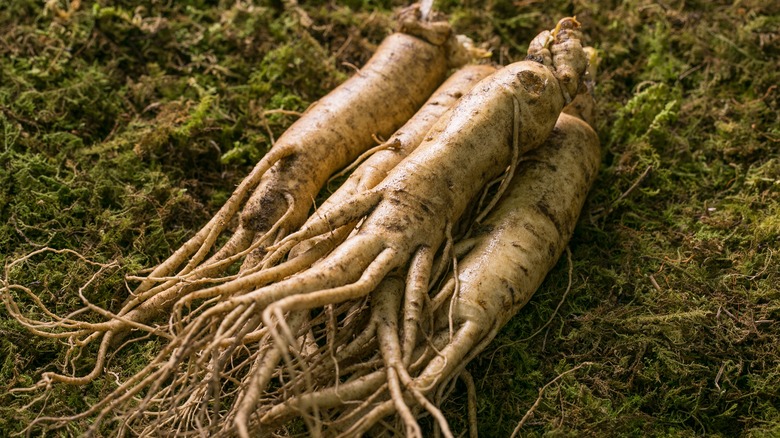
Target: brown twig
{"type": "Point", "coordinates": [603, 212]}
{"type": "Point", "coordinates": [563, 298]}
{"type": "Point", "coordinates": [541, 393]}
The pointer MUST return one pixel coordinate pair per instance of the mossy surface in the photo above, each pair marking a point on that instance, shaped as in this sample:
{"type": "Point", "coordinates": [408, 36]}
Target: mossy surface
{"type": "Point", "coordinates": [125, 125]}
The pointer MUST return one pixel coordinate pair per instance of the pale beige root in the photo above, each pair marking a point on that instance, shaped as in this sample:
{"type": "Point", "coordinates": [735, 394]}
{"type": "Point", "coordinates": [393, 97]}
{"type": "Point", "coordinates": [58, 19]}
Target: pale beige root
{"type": "Point", "coordinates": [286, 400]}
{"type": "Point", "coordinates": [260, 376]}
{"type": "Point", "coordinates": [328, 372]}
{"type": "Point", "coordinates": [388, 301]}
{"type": "Point", "coordinates": [210, 399]}
{"type": "Point", "coordinates": [521, 239]}
{"type": "Point", "coordinates": [390, 346]}
{"type": "Point", "coordinates": [372, 171]}
{"type": "Point", "coordinates": [471, 392]}
{"type": "Point", "coordinates": [353, 392]}
{"type": "Point", "coordinates": [412, 207]}
{"type": "Point", "coordinates": [348, 353]}
{"type": "Point", "coordinates": [470, 146]}
{"type": "Point", "coordinates": [256, 211]}
{"type": "Point", "coordinates": [584, 105]}
{"type": "Point", "coordinates": [343, 356]}
{"type": "Point", "coordinates": [170, 398]}
{"type": "Point", "coordinates": [239, 419]}
{"type": "Point", "coordinates": [253, 280]}
{"type": "Point", "coordinates": [358, 395]}
{"type": "Point", "coordinates": [568, 57]}
{"type": "Point", "coordinates": [511, 111]}
{"type": "Point", "coordinates": [415, 299]}
{"type": "Point", "coordinates": [182, 396]}
{"type": "Point", "coordinates": [358, 404]}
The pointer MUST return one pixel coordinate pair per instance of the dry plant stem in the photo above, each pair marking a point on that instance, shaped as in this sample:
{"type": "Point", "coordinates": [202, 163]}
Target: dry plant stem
{"type": "Point", "coordinates": [541, 393]}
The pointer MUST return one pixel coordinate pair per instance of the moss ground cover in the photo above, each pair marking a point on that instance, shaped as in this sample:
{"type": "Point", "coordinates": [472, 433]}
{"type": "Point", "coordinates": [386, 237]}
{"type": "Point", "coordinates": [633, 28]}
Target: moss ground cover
{"type": "Point", "coordinates": [125, 125]}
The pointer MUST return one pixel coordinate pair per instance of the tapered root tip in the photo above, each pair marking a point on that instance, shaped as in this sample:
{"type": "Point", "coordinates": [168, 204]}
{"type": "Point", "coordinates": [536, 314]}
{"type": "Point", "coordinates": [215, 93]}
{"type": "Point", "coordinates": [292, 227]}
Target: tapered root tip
{"type": "Point", "coordinates": [567, 23]}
